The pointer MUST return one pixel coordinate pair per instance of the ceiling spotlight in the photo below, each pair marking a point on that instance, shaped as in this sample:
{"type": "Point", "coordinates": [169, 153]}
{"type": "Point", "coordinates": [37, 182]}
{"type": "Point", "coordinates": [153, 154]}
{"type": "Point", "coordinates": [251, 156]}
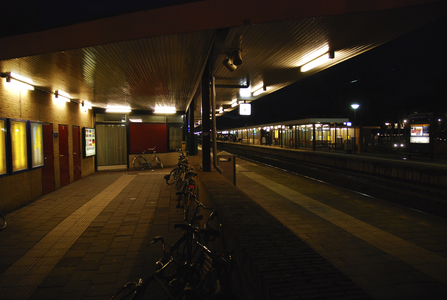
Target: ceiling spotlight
{"type": "Point", "coordinates": [228, 63]}
{"type": "Point", "coordinates": [237, 57]}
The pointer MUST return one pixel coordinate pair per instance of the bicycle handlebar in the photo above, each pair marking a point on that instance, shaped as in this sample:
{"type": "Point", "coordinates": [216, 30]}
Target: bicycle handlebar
{"type": "Point", "coordinates": [149, 149]}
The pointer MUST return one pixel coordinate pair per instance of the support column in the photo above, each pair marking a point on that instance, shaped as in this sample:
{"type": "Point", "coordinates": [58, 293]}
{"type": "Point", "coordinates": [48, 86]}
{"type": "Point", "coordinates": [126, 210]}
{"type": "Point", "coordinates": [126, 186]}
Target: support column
{"type": "Point", "coordinates": [314, 138]}
{"type": "Point", "coordinates": [191, 136]}
{"type": "Point", "coordinates": [206, 123]}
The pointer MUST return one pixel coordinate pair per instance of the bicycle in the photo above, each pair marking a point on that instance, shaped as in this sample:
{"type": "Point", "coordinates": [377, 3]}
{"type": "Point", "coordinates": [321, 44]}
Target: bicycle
{"type": "Point", "coordinates": [194, 274]}
{"type": "Point", "coordinates": [177, 174]}
{"type": "Point", "coordinates": [3, 223]}
{"type": "Point", "coordinates": [140, 162]}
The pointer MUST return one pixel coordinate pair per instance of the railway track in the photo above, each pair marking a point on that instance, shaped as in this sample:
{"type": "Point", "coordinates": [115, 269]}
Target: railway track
{"type": "Point", "coordinates": [428, 199]}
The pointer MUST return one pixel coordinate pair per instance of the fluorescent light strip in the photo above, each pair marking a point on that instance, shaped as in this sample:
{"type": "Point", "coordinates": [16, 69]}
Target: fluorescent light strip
{"type": "Point", "coordinates": [312, 55]}
{"type": "Point", "coordinates": [164, 110]}
{"type": "Point", "coordinates": [118, 109]}
{"type": "Point", "coordinates": [86, 104]}
{"type": "Point", "coordinates": [20, 81]}
{"type": "Point", "coordinates": [61, 94]}
{"type": "Point", "coordinates": [316, 62]}
{"type": "Point", "coordinates": [258, 92]}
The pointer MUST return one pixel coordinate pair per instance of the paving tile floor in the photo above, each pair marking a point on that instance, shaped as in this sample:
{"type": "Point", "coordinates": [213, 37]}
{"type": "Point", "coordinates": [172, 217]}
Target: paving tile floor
{"type": "Point", "coordinates": [84, 240]}
{"type": "Point", "coordinates": [90, 237]}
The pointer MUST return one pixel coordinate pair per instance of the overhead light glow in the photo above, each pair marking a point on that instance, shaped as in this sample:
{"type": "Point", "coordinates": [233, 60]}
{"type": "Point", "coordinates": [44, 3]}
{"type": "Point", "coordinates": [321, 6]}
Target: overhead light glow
{"type": "Point", "coordinates": [61, 95]}
{"type": "Point", "coordinates": [244, 93]}
{"type": "Point", "coordinates": [164, 110]}
{"type": "Point", "coordinates": [118, 109]}
{"type": "Point", "coordinates": [259, 91]}
{"type": "Point", "coordinates": [86, 104]}
{"type": "Point", "coordinates": [312, 55]}
{"type": "Point", "coordinates": [318, 61]}
{"type": "Point", "coordinates": [20, 81]}
{"type": "Point", "coordinates": [136, 120]}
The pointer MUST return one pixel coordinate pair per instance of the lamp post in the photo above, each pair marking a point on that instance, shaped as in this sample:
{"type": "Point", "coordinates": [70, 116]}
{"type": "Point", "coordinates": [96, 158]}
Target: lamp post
{"type": "Point", "coordinates": [355, 106]}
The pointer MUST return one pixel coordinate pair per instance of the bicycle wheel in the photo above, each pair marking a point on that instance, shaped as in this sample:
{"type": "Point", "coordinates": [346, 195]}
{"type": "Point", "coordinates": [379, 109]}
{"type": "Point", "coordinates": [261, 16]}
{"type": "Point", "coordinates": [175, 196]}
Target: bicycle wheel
{"type": "Point", "coordinates": [200, 281]}
{"type": "Point", "coordinates": [3, 222]}
{"type": "Point", "coordinates": [159, 163]}
{"type": "Point", "coordinates": [130, 291]}
{"type": "Point", "coordinates": [139, 163]}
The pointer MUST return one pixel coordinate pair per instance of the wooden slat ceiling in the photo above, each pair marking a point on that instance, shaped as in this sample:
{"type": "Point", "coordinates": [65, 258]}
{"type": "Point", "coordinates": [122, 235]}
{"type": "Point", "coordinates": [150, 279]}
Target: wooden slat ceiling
{"type": "Point", "coordinates": [165, 70]}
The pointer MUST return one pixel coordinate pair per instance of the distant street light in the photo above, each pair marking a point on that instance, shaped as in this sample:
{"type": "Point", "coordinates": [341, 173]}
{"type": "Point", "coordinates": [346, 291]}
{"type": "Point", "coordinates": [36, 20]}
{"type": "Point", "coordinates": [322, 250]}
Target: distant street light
{"type": "Point", "coordinates": [355, 106]}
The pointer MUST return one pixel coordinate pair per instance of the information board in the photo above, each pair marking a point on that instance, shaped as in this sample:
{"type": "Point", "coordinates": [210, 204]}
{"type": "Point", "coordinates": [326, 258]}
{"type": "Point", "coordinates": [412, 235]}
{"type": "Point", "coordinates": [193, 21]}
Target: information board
{"type": "Point", "coordinates": [89, 141]}
{"type": "Point", "coordinates": [420, 134]}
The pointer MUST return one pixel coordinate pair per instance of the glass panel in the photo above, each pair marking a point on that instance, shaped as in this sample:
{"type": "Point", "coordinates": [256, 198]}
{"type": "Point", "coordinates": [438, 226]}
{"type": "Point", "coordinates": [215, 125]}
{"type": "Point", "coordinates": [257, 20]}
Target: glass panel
{"type": "Point", "coordinates": [111, 144]}
{"type": "Point", "coordinates": [37, 145]}
{"type": "Point", "coordinates": [18, 145]}
{"type": "Point", "coordinates": [175, 137]}
{"type": "Point", "coordinates": [175, 118]}
{"type": "Point", "coordinates": [2, 147]}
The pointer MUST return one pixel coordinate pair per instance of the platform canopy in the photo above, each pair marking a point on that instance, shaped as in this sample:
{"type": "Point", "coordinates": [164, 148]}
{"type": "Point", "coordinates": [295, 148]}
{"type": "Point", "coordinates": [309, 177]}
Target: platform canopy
{"type": "Point", "coordinates": [156, 56]}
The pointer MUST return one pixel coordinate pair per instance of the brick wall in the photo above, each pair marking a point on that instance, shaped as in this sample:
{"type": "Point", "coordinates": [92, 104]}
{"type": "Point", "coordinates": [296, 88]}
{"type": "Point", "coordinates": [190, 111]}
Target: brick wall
{"type": "Point", "coordinates": [19, 189]}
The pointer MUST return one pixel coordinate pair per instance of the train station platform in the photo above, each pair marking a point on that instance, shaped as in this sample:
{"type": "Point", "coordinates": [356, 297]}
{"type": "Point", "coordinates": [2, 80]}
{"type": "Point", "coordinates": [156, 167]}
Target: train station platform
{"type": "Point", "coordinates": [296, 238]}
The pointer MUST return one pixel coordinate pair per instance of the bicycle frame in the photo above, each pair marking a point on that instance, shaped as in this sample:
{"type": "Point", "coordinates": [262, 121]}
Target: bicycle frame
{"type": "Point", "coordinates": [140, 161]}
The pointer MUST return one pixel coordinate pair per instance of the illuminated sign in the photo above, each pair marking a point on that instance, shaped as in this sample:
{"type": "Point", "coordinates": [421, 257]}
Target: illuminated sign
{"type": "Point", "coordinates": [2, 147]}
{"type": "Point", "coordinates": [37, 154]}
{"type": "Point", "coordinates": [19, 146]}
{"type": "Point", "coordinates": [420, 134]}
{"type": "Point", "coordinates": [245, 109]}
{"type": "Point", "coordinates": [89, 141]}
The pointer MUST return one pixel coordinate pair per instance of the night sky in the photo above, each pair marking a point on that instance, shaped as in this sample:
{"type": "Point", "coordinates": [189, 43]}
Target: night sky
{"type": "Point", "coordinates": [401, 77]}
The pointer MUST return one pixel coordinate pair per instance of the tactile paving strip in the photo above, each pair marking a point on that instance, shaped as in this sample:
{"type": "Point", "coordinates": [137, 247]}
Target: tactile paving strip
{"type": "Point", "coordinates": [424, 260]}
{"type": "Point", "coordinates": [24, 276]}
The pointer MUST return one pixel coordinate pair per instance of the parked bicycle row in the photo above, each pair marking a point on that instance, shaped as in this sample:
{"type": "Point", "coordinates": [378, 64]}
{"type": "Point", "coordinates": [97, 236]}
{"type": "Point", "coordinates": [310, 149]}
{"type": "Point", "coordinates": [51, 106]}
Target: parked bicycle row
{"type": "Point", "coordinates": [190, 268]}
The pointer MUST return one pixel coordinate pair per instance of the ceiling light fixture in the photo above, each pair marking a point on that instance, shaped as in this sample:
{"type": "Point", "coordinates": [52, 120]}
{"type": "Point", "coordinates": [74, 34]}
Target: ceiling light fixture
{"type": "Point", "coordinates": [19, 80]}
{"type": "Point", "coordinates": [164, 110]}
{"type": "Point", "coordinates": [118, 109]}
{"type": "Point", "coordinates": [318, 61]}
{"type": "Point", "coordinates": [136, 120]}
{"type": "Point", "coordinates": [61, 95]}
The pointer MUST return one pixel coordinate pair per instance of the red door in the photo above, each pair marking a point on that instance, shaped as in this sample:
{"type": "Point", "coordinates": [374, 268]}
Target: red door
{"type": "Point", "coordinates": [63, 155]}
{"type": "Point", "coordinates": [76, 153]}
{"type": "Point", "coordinates": [48, 169]}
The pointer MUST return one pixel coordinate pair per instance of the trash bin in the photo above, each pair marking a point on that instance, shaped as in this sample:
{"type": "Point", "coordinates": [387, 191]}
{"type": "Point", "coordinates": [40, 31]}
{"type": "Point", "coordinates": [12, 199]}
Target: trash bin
{"type": "Point", "coordinates": [227, 164]}
{"type": "Point", "coordinates": [348, 146]}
